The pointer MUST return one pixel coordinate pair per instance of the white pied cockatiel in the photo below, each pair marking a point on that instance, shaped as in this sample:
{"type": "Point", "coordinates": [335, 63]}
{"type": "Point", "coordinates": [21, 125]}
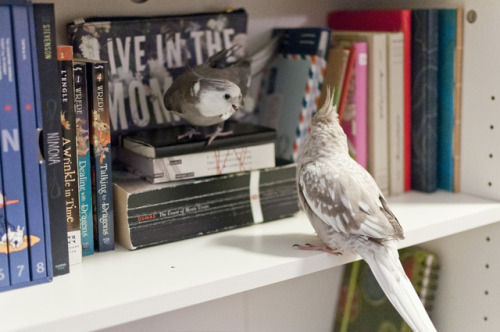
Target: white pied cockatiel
{"type": "Point", "coordinates": [349, 213]}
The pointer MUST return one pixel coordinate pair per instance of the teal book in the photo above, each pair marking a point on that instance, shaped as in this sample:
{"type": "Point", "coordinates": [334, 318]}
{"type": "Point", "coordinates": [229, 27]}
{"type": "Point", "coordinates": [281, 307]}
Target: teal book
{"type": "Point", "coordinates": [447, 83]}
{"type": "Point", "coordinates": [83, 156]}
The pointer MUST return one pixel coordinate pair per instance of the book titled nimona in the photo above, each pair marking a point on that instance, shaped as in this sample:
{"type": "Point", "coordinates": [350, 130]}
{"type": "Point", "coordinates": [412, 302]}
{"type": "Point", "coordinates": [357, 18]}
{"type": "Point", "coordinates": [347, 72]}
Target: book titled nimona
{"type": "Point", "coordinates": [159, 156]}
{"type": "Point", "coordinates": [146, 54]}
{"type": "Point", "coordinates": [149, 214]}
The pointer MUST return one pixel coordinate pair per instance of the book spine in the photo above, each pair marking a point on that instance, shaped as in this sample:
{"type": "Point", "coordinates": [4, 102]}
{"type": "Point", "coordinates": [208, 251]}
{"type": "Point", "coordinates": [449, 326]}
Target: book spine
{"type": "Point", "coordinates": [197, 165]}
{"type": "Point", "coordinates": [446, 107]}
{"type": "Point", "coordinates": [377, 112]}
{"type": "Point", "coordinates": [395, 97]}
{"type": "Point", "coordinates": [10, 145]}
{"type": "Point", "coordinates": [49, 117]}
{"type": "Point", "coordinates": [424, 99]}
{"type": "Point", "coordinates": [29, 140]}
{"type": "Point", "coordinates": [4, 253]}
{"type": "Point", "coordinates": [68, 121]}
{"type": "Point", "coordinates": [358, 128]}
{"type": "Point", "coordinates": [83, 153]}
{"type": "Point", "coordinates": [101, 156]}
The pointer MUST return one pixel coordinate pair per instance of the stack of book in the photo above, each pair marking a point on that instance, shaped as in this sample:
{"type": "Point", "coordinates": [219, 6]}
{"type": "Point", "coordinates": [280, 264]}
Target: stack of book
{"type": "Point", "coordinates": [412, 101]}
{"type": "Point", "coordinates": [363, 306]}
{"type": "Point", "coordinates": [170, 189]}
{"type": "Point", "coordinates": [181, 188]}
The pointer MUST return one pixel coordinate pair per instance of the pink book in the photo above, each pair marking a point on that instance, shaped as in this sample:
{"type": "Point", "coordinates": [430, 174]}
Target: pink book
{"type": "Point", "coordinates": [354, 116]}
{"type": "Point", "coordinates": [391, 21]}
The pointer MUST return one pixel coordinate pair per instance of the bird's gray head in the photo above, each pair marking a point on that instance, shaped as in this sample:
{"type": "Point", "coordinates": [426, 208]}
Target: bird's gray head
{"type": "Point", "coordinates": [217, 97]}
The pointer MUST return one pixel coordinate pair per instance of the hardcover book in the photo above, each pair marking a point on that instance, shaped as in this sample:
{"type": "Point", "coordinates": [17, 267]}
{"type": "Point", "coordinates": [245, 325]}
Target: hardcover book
{"type": "Point", "coordinates": [83, 157]}
{"type": "Point", "coordinates": [100, 152]}
{"type": "Point", "coordinates": [146, 54]}
{"type": "Point", "coordinates": [449, 80]}
{"type": "Point", "coordinates": [164, 142]}
{"type": "Point", "coordinates": [377, 109]}
{"type": "Point", "coordinates": [354, 117]}
{"type": "Point", "coordinates": [424, 113]}
{"type": "Point", "coordinates": [292, 86]}
{"type": "Point", "coordinates": [150, 214]}
{"type": "Point", "coordinates": [391, 21]}
{"type": "Point", "coordinates": [16, 233]}
{"type": "Point", "coordinates": [68, 121]}
{"type": "Point", "coordinates": [29, 142]}
{"type": "Point", "coordinates": [335, 75]}
{"type": "Point", "coordinates": [395, 102]}
{"type": "Point", "coordinates": [49, 117]}
{"type": "Point", "coordinates": [363, 306]}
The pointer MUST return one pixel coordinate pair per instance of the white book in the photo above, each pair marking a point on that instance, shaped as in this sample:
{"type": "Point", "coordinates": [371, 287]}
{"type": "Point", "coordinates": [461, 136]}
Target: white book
{"type": "Point", "coordinates": [201, 164]}
{"type": "Point", "coordinates": [395, 97]}
{"type": "Point", "coordinates": [377, 108]}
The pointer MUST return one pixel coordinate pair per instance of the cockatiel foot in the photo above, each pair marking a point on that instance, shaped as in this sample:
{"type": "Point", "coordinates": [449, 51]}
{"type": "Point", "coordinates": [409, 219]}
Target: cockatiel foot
{"type": "Point", "coordinates": [216, 133]}
{"type": "Point", "coordinates": [324, 248]}
{"type": "Point", "coordinates": [189, 134]}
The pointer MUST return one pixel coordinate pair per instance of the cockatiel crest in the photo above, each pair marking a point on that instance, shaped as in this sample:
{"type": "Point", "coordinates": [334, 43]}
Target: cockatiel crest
{"type": "Point", "coordinates": [350, 213]}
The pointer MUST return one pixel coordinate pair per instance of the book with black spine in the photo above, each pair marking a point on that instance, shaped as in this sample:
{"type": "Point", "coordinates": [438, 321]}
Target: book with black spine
{"type": "Point", "coordinates": [68, 121]}
{"type": "Point", "coordinates": [149, 214]}
{"type": "Point", "coordinates": [50, 119]}
{"type": "Point", "coordinates": [100, 155]}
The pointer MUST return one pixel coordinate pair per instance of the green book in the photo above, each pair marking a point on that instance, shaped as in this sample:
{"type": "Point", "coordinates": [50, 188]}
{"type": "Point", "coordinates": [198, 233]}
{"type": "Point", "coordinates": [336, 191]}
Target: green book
{"type": "Point", "coordinates": [363, 306]}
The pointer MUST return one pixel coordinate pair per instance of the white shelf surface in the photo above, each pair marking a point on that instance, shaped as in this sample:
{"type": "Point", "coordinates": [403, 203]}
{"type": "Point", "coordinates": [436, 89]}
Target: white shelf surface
{"type": "Point", "coordinates": [121, 286]}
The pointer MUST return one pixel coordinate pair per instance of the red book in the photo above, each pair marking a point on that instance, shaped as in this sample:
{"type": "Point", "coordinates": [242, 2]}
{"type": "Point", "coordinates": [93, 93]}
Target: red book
{"type": "Point", "coordinates": [391, 21]}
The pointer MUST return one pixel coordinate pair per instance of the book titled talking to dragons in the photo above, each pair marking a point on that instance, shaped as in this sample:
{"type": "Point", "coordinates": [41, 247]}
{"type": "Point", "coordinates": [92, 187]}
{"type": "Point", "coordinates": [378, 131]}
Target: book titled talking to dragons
{"type": "Point", "coordinates": [146, 54]}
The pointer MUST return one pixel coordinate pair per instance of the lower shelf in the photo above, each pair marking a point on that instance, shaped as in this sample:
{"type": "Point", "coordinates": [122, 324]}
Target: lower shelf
{"type": "Point", "coordinates": [117, 287]}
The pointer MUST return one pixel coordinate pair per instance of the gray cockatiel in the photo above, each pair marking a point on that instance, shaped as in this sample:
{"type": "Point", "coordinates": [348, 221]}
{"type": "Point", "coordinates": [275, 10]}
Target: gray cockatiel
{"type": "Point", "coordinates": [212, 92]}
{"type": "Point", "coordinates": [348, 212]}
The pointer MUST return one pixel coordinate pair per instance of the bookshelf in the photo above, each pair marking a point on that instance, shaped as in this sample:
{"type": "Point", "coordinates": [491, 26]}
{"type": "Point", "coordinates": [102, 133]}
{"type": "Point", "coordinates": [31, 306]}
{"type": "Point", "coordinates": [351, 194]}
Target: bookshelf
{"type": "Point", "coordinates": [250, 279]}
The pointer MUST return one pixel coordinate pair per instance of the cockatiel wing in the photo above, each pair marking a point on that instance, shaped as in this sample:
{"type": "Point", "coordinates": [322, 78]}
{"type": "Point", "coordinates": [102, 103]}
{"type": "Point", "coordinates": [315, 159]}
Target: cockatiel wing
{"type": "Point", "coordinates": [343, 204]}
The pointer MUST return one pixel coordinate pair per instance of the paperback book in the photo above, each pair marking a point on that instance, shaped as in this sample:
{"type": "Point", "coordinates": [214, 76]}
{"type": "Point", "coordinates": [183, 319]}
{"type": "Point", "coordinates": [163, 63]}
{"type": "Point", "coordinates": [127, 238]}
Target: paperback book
{"type": "Point", "coordinates": [68, 121]}
{"type": "Point", "coordinates": [49, 117]}
{"type": "Point", "coordinates": [150, 214]}
{"type": "Point", "coordinates": [100, 152]}
{"type": "Point", "coordinates": [83, 156]}
{"type": "Point", "coordinates": [145, 54]}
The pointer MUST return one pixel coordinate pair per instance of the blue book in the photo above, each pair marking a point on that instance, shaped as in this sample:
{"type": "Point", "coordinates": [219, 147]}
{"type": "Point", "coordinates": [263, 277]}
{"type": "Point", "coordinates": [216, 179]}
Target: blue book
{"type": "Point", "coordinates": [29, 139]}
{"type": "Point", "coordinates": [446, 109]}
{"type": "Point", "coordinates": [83, 154]}
{"type": "Point", "coordinates": [4, 258]}
{"type": "Point", "coordinates": [10, 157]}
{"type": "Point", "coordinates": [102, 191]}
{"type": "Point", "coordinates": [50, 119]}
{"type": "Point", "coordinates": [424, 99]}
